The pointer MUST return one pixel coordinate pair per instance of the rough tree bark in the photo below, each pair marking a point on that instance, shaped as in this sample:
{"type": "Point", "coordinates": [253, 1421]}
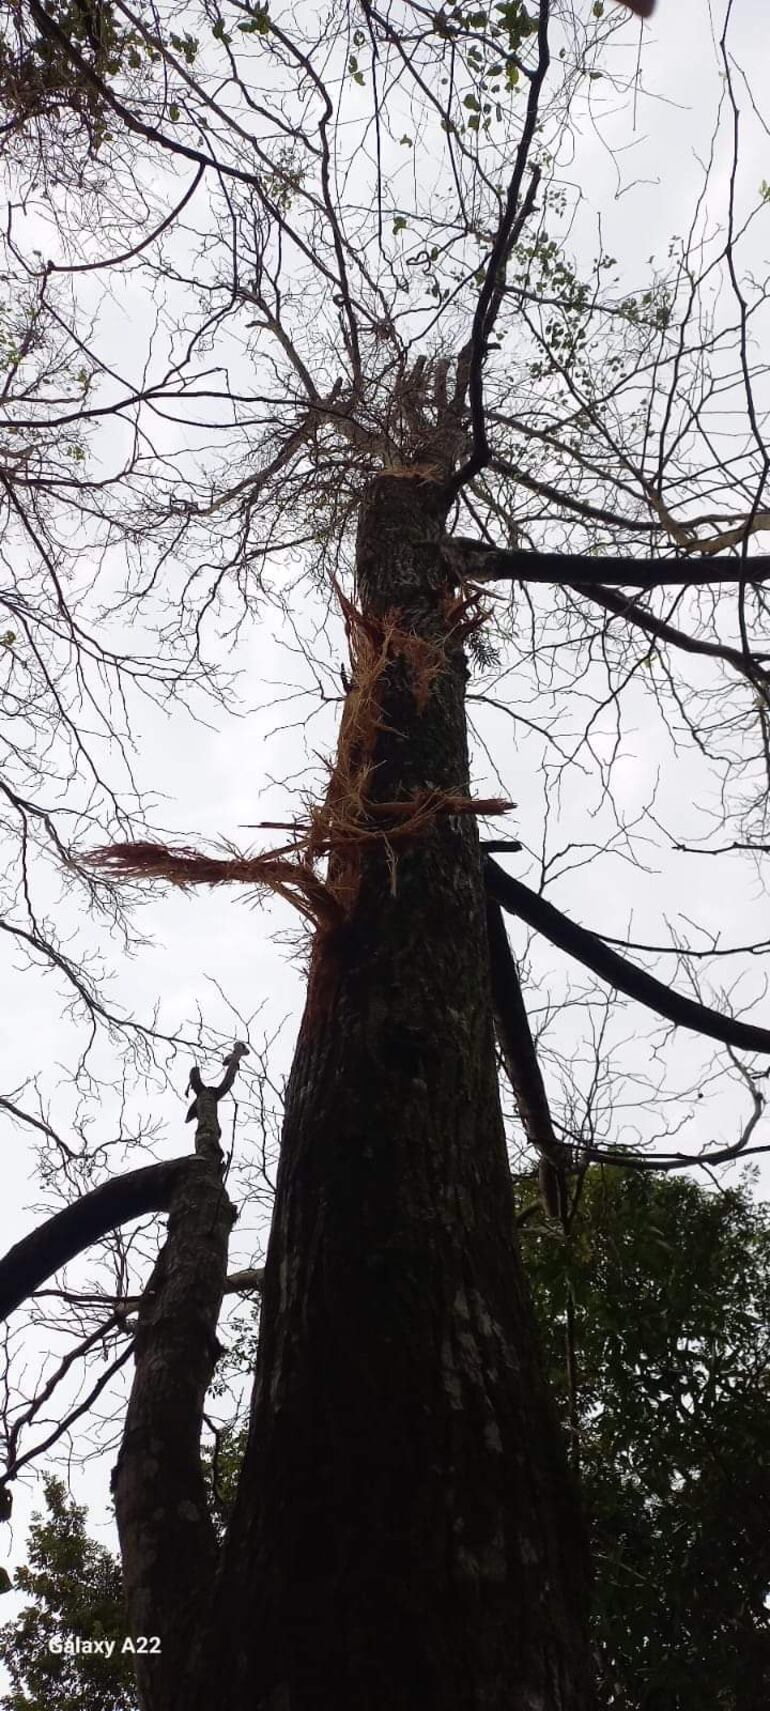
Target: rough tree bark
{"type": "Point", "coordinates": [168, 1545]}
{"type": "Point", "coordinates": [406, 1533]}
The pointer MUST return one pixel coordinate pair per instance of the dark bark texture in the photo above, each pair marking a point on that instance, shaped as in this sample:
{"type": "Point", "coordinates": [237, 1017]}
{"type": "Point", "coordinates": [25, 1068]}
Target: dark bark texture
{"type": "Point", "coordinates": [167, 1541]}
{"type": "Point", "coordinates": [406, 1535]}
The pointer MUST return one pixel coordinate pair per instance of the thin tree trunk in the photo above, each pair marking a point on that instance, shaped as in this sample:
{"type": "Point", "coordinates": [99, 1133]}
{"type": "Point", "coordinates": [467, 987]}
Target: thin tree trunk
{"type": "Point", "coordinates": [167, 1539]}
{"type": "Point", "coordinates": [406, 1536]}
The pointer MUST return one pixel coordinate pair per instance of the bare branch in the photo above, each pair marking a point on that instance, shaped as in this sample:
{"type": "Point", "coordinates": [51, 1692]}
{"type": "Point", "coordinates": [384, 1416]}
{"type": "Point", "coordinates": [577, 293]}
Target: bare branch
{"type": "Point", "coordinates": [616, 970]}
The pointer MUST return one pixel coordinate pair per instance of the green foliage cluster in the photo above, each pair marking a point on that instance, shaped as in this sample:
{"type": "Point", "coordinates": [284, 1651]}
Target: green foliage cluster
{"type": "Point", "coordinates": [75, 1585]}
{"type": "Point", "coordinates": [671, 1286]}
{"type": "Point", "coordinates": [41, 81]}
{"type": "Point", "coordinates": [37, 79]}
{"type": "Point", "coordinates": [490, 39]}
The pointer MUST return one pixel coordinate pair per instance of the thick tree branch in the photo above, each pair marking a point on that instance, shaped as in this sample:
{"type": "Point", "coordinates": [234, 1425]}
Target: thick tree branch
{"type": "Point", "coordinates": [245, 1282]}
{"type": "Point", "coordinates": [512, 220]}
{"type": "Point", "coordinates": [474, 560]}
{"type": "Point", "coordinates": [45, 1250]}
{"type": "Point", "coordinates": [615, 969]}
{"type": "Point", "coordinates": [520, 1059]}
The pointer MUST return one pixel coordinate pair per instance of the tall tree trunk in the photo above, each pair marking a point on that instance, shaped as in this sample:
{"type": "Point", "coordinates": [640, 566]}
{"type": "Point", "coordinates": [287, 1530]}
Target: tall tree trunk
{"type": "Point", "coordinates": [406, 1536]}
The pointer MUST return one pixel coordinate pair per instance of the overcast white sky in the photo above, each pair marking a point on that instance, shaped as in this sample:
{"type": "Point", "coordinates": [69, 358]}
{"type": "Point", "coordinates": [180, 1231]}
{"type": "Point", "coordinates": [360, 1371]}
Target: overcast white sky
{"type": "Point", "coordinates": [640, 172]}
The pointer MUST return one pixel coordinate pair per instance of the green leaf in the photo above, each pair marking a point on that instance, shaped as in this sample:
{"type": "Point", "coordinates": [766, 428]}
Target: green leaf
{"type": "Point", "coordinates": [187, 45]}
{"type": "Point", "coordinates": [259, 23]}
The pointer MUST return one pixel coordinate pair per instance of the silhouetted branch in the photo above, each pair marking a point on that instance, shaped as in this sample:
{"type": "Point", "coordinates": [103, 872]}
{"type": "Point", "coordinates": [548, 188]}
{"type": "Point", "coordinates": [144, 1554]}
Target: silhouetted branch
{"type": "Point", "coordinates": [480, 563]}
{"type": "Point", "coordinates": [615, 969]}
{"type": "Point", "coordinates": [520, 1059]}
{"type": "Point", "coordinates": [45, 1250]}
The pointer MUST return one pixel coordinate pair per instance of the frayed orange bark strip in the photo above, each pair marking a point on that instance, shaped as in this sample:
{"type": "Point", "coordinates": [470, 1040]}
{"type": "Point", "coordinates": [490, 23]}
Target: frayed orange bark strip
{"type": "Point", "coordinates": [342, 825]}
{"type": "Point", "coordinates": [435, 802]}
{"type": "Point", "coordinates": [179, 865]}
{"type": "Point", "coordinates": [294, 880]}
